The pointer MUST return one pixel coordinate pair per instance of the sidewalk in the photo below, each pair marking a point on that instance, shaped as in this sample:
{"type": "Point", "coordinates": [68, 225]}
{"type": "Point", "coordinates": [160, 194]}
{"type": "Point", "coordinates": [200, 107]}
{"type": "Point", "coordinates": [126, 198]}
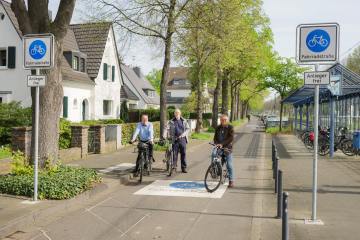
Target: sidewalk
{"type": "Point", "coordinates": [338, 193]}
{"type": "Point", "coordinates": [18, 213]}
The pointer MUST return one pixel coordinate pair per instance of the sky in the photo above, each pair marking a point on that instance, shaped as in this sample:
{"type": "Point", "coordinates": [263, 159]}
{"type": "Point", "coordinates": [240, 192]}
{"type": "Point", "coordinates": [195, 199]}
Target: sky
{"type": "Point", "coordinates": [284, 16]}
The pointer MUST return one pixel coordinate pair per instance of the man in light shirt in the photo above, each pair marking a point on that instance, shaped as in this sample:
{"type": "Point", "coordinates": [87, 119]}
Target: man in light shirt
{"type": "Point", "coordinates": [145, 131]}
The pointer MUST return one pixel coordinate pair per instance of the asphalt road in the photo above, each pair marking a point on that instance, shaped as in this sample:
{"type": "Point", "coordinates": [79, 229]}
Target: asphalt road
{"type": "Point", "coordinates": [124, 215]}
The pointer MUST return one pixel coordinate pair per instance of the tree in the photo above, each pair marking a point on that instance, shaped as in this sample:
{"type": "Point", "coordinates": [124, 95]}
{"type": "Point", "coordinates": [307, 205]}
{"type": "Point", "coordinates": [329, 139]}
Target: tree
{"type": "Point", "coordinates": [124, 112]}
{"type": "Point", "coordinates": [154, 77]}
{"type": "Point", "coordinates": [284, 76]}
{"type": "Point", "coordinates": [33, 18]}
{"type": "Point", "coordinates": [353, 61]}
{"type": "Point", "coordinates": [156, 19]}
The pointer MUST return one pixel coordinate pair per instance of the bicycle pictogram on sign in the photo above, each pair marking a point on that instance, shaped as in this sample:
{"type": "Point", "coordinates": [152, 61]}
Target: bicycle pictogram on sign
{"type": "Point", "coordinates": [37, 49]}
{"type": "Point", "coordinates": [318, 40]}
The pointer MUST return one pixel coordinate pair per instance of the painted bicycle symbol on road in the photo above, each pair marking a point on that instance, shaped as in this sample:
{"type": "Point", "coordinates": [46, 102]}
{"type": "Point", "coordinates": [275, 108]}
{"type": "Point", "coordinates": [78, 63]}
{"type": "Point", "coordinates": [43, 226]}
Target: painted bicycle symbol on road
{"type": "Point", "coordinates": [37, 49]}
{"type": "Point", "coordinates": [318, 40]}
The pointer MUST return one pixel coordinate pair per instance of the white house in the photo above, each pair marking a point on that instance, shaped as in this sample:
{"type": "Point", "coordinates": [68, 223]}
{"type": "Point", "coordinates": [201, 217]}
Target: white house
{"type": "Point", "coordinates": [137, 90]}
{"type": "Point", "coordinates": [179, 88]}
{"type": "Point", "coordinates": [90, 69]}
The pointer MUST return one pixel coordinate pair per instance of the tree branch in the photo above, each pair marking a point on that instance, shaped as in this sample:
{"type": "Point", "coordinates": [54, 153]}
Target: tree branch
{"type": "Point", "coordinates": [19, 8]}
{"type": "Point", "coordinates": [63, 18]}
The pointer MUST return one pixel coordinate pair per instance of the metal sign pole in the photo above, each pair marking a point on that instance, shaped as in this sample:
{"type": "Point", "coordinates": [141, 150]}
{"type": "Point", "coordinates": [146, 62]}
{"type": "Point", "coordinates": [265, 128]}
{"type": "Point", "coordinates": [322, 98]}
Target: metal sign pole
{"type": "Point", "coordinates": [36, 137]}
{"type": "Point", "coordinates": [316, 146]}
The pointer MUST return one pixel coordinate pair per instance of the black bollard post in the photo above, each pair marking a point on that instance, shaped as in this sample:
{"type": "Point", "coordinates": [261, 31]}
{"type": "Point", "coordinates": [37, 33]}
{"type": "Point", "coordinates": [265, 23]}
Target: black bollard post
{"type": "Point", "coordinates": [272, 153]}
{"type": "Point", "coordinates": [274, 163]}
{"type": "Point", "coordinates": [276, 173]}
{"type": "Point", "coordinates": [279, 195]}
{"type": "Point", "coordinates": [285, 217]}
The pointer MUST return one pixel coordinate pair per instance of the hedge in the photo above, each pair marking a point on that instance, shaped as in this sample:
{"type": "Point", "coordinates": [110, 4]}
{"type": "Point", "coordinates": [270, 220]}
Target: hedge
{"type": "Point", "coordinates": [101, 121]}
{"type": "Point", "coordinates": [154, 114]}
{"type": "Point", "coordinates": [193, 115]}
{"type": "Point", "coordinates": [127, 131]}
{"type": "Point", "coordinates": [12, 115]}
{"type": "Point", "coordinates": [64, 134]}
{"type": "Point", "coordinates": [62, 182]}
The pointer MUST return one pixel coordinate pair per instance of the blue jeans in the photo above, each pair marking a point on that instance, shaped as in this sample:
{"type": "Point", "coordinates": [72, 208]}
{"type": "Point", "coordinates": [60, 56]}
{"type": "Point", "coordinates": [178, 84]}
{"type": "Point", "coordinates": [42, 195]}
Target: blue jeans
{"type": "Point", "coordinates": [229, 163]}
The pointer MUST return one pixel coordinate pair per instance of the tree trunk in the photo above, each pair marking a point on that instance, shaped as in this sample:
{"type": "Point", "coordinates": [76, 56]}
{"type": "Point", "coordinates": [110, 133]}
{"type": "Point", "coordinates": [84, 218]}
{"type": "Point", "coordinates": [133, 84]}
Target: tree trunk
{"type": "Point", "coordinates": [215, 108]}
{"type": "Point", "coordinates": [225, 94]}
{"type": "Point", "coordinates": [232, 103]}
{"type": "Point", "coordinates": [166, 68]}
{"type": "Point", "coordinates": [199, 102]}
{"type": "Point", "coordinates": [238, 103]}
{"type": "Point", "coordinates": [281, 114]}
{"type": "Point", "coordinates": [33, 18]}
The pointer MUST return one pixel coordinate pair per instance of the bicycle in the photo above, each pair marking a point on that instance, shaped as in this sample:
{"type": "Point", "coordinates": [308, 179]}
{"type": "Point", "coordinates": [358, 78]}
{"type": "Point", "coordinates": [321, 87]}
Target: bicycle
{"type": "Point", "coordinates": [143, 155]}
{"type": "Point", "coordinates": [318, 40]}
{"type": "Point", "coordinates": [169, 156]}
{"type": "Point", "coordinates": [216, 173]}
{"type": "Point", "coordinates": [37, 49]}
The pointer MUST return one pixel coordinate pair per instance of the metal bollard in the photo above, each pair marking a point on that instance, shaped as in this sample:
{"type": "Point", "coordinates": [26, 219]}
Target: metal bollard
{"type": "Point", "coordinates": [285, 217]}
{"type": "Point", "coordinates": [276, 173]}
{"type": "Point", "coordinates": [272, 153]}
{"type": "Point", "coordinates": [274, 163]}
{"type": "Point", "coordinates": [279, 195]}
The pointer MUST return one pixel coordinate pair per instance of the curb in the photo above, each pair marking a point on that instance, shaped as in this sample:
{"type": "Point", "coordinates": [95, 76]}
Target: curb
{"type": "Point", "coordinates": [39, 216]}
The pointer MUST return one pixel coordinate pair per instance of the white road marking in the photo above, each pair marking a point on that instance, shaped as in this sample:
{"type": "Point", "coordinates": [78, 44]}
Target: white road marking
{"type": "Point", "coordinates": [129, 229]}
{"type": "Point", "coordinates": [121, 167]}
{"type": "Point", "coordinates": [164, 188]}
{"type": "Point", "coordinates": [99, 203]}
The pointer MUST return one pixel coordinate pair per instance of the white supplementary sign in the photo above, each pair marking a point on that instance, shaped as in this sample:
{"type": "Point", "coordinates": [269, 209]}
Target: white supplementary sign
{"type": "Point", "coordinates": [38, 51]}
{"type": "Point", "coordinates": [36, 81]}
{"type": "Point", "coordinates": [317, 43]}
{"type": "Point", "coordinates": [335, 85]}
{"type": "Point", "coordinates": [314, 78]}
{"type": "Point", "coordinates": [179, 188]}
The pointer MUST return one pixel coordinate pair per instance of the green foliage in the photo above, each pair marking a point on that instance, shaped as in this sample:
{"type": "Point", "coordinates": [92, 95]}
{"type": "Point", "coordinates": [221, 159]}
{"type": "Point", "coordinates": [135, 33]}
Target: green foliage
{"type": "Point", "coordinates": [12, 115]}
{"type": "Point", "coordinates": [5, 152]}
{"type": "Point", "coordinates": [101, 121]}
{"type": "Point", "coordinates": [62, 182]}
{"type": "Point", "coordinates": [160, 147]}
{"type": "Point", "coordinates": [154, 77]}
{"type": "Point", "coordinates": [206, 116]}
{"type": "Point", "coordinates": [206, 123]}
{"type": "Point", "coordinates": [238, 123]}
{"type": "Point", "coordinates": [20, 164]}
{"type": "Point", "coordinates": [124, 112]}
{"type": "Point", "coordinates": [154, 114]}
{"type": "Point", "coordinates": [64, 134]}
{"type": "Point", "coordinates": [353, 61]}
{"type": "Point", "coordinates": [202, 136]}
{"type": "Point", "coordinates": [275, 130]}
{"type": "Point", "coordinates": [211, 130]}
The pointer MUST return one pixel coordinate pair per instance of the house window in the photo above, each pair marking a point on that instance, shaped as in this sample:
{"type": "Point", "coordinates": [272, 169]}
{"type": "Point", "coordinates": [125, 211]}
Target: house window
{"type": "Point", "coordinates": [132, 106]}
{"type": "Point", "coordinates": [75, 103]}
{"type": "Point", "coordinates": [1, 100]}
{"type": "Point", "coordinates": [107, 107]}
{"type": "Point", "coordinates": [168, 94]}
{"type": "Point", "coordinates": [76, 63]}
{"type": "Point", "coordinates": [82, 64]}
{"type": "Point", "coordinates": [3, 58]}
{"type": "Point", "coordinates": [176, 82]}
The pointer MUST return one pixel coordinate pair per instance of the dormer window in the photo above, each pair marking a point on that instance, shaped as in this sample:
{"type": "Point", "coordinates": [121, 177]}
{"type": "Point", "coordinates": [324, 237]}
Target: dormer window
{"type": "Point", "coordinates": [150, 93]}
{"type": "Point", "coordinates": [75, 63]}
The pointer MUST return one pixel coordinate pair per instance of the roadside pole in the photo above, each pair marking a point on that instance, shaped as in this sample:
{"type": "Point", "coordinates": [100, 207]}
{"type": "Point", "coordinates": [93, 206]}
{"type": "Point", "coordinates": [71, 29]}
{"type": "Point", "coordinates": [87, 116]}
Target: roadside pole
{"type": "Point", "coordinates": [316, 146]}
{"type": "Point", "coordinates": [36, 137]}
{"type": "Point", "coordinates": [38, 54]}
{"type": "Point", "coordinates": [317, 44]}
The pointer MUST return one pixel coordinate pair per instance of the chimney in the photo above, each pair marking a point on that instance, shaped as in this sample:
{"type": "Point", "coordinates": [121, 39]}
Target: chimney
{"type": "Point", "coordinates": [137, 70]}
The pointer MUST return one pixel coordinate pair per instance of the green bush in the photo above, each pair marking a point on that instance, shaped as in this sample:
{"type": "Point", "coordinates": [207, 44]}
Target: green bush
{"type": "Point", "coordinates": [64, 134]}
{"type": "Point", "coordinates": [206, 123]}
{"type": "Point", "coordinates": [61, 183]}
{"type": "Point", "coordinates": [124, 112]}
{"type": "Point", "coordinates": [211, 130]}
{"type": "Point", "coordinates": [207, 115]}
{"type": "Point", "coordinates": [101, 121]}
{"type": "Point", "coordinates": [193, 115]}
{"type": "Point", "coordinates": [20, 164]}
{"type": "Point", "coordinates": [112, 121]}
{"type": "Point", "coordinates": [5, 151]}
{"type": "Point", "coordinates": [275, 130]}
{"type": "Point", "coordinates": [154, 114]}
{"type": "Point", "coordinates": [12, 115]}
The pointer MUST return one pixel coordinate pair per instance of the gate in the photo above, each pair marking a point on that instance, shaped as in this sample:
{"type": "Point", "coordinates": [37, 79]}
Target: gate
{"type": "Point", "coordinates": [91, 140]}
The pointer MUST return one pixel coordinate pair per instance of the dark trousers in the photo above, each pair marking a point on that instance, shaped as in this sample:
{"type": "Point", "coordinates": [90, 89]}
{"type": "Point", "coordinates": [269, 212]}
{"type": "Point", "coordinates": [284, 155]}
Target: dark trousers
{"type": "Point", "coordinates": [180, 146]}
{"type": "Point", "coordinates": [149, 155]}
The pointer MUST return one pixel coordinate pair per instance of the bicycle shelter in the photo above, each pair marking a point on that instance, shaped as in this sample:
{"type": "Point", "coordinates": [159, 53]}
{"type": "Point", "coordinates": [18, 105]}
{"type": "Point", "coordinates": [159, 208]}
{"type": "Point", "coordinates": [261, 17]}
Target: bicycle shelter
{"type": "Point", "coordinates": [335, 111]}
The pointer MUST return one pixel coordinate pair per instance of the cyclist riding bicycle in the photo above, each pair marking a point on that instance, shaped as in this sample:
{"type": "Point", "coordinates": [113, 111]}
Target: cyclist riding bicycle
{"type": "Point", "coordinates": [145, 131]}
{"type": "Point", "coordinates": [223, 138]}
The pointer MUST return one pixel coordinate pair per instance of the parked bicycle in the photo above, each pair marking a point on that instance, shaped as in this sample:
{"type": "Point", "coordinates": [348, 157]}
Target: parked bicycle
{"type": "Point", "coordinates": [169, 156]}
{"type": "Point", "coordinates": [216, 173]}
{"type": "Point", "coordinates": [144, 162]}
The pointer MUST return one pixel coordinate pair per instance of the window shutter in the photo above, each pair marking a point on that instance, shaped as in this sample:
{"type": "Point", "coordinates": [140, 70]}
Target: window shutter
{"type": "Point", "coordinates": [105, 70]}
{"type": "Point", "coordinates": [11, 57]}
{"type": "Point", "coordinates": [65, 107]}
{"type": "Point", "coordinates": [113, 73]}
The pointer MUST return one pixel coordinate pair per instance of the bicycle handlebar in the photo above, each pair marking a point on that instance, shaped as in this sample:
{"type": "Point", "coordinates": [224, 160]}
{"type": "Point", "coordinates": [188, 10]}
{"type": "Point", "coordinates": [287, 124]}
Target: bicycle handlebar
{"type": "Point", "coordinates": [223, 148]}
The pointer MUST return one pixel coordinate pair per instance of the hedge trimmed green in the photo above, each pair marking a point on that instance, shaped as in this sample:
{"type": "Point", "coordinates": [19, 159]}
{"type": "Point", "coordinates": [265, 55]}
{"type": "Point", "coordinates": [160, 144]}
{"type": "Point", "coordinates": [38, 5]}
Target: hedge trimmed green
{"type": "Point", "coordinates": [64, 134]}
{"type": "Point", "coordinates": [62, 182]}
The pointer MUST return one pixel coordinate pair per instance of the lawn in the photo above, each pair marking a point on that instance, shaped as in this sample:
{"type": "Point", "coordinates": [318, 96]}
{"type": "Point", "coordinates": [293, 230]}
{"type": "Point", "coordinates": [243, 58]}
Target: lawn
{"type": "Point", "coordinates": [202, 136]}
{"type": "Point", "coordinates": [5, 152]}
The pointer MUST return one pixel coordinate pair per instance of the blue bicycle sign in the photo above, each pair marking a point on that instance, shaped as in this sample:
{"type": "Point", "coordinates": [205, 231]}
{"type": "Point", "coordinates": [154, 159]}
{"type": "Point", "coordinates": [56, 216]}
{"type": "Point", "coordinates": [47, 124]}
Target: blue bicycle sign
{"type": "Point", "coordinates": [37, 49]}
{"type": "Point", "coordinates": [318, 40]}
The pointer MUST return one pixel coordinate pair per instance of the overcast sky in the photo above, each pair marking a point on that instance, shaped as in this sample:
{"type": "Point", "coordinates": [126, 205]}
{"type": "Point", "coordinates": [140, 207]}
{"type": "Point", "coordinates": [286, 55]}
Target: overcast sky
{"type": "Point", "coordinates": [284, 15]}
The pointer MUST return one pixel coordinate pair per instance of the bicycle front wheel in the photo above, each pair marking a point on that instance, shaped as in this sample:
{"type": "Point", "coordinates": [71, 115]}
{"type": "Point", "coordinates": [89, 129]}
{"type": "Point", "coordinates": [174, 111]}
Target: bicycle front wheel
{"type": "Point", "coordinates": [141, 168]}
{"type": "Point", "coordinates": [347, 148]}
{"type": "Point", "coordinates": [213, 177]}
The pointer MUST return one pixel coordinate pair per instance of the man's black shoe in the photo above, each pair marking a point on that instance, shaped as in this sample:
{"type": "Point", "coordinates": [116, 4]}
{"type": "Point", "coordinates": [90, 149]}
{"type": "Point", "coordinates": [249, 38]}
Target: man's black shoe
{"type": "Point", "coordinates": [184, 170]}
